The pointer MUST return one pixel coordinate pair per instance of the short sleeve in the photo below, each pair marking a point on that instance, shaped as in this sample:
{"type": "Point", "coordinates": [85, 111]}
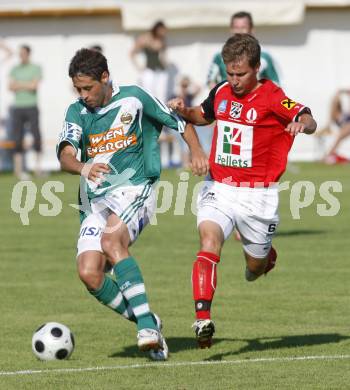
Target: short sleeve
{"type": "Point", "coordinates": [72, 129]}
{"type": "Point", "coordinates": [285, 107]}
{"type": "Point", "coordinates": [214, 75]}
{"type": "Point", "coordinates": [207, 106]}
{"type": "Point", "coordinates": [158, 111]}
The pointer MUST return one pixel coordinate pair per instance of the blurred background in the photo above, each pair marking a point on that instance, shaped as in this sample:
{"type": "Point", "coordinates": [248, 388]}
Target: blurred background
{"type": "Point", "coordinates": [308, 40]}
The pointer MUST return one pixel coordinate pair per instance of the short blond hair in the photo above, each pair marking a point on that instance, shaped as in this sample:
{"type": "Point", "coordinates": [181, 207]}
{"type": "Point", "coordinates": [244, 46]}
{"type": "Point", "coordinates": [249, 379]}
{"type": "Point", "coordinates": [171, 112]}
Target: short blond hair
{"type": "Point", "coordinates": [240, 46]}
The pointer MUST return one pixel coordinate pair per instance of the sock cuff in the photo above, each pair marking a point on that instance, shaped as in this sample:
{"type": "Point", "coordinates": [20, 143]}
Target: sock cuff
{"type": "Point", "coordinates": [96, 293]}
{"type": "Point", "coordinates": [212, 257]}
{"type": "Point", "coordinates": [124, 265]}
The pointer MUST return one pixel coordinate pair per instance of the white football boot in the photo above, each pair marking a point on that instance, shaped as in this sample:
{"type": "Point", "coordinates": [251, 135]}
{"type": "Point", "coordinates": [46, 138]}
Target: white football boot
{"type": "Point", "coordinates": [162, 353]}
{"type": "Point", "coordinates": [148, 339]}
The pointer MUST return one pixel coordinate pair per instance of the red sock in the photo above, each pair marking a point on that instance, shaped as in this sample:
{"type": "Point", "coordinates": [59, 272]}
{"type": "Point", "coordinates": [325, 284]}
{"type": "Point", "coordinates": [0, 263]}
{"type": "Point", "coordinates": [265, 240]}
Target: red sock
{"type": "Point", "coordinates": [204, 282]}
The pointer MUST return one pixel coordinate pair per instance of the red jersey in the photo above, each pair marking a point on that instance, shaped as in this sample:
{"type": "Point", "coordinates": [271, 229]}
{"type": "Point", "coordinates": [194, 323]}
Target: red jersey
{"type": "Point", "coordinates": [249, 143]}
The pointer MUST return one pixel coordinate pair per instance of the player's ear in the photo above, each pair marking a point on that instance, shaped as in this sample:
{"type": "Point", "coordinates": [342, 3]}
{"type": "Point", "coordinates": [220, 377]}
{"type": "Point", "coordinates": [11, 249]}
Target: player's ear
{"type": "Point", "coordinates": [105, 77]}
{"type": "Point", "coordinates": [257, 67]}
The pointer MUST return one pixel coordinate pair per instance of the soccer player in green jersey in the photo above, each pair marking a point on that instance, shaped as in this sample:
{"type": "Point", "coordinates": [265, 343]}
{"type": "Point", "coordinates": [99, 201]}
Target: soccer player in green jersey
{"type": "Point", "coordinates": [116, 131]}
{"type": "Point", "coordinates": [241, 23]}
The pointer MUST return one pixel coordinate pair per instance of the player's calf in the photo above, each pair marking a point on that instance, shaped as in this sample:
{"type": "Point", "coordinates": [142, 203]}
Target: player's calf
{"type": "Point", "coordinates": [257, 267]}
{"type": "Point", "coordinates": [271, 260]}
{"type": "Point", "coordinates": [90, 269]}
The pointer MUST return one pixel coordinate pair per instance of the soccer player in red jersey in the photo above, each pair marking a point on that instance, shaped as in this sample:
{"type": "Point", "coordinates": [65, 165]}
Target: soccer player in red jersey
{"type": "Point", "coordinates": [255, 127]}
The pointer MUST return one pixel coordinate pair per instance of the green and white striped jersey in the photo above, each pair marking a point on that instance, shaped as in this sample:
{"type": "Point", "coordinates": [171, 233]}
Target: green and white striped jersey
{"type": "Point", "coordinates": [123, 134]}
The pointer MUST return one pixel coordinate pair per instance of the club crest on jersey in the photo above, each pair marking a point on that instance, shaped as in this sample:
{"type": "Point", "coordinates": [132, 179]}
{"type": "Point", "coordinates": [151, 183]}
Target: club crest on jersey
{"type": "Point", "coordinates": [126, 118]}
{"type": "Point", "coordinates": [288, 103]}
{"type": "Point", "coordinates": [251, 115]}
{"type": "Point", "coordinates": [236, 109]}
{"type": "Point", "coordinates": [222, 106]}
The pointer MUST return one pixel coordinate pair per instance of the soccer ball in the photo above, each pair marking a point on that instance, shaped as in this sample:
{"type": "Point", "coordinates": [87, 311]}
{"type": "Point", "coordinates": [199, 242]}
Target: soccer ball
{"type": "Point", "coordinates": [53, 341]}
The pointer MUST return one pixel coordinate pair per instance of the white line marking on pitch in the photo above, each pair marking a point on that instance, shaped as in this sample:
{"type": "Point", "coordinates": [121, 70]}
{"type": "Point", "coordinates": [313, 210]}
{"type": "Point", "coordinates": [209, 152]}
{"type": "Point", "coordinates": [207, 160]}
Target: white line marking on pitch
{"type": "Point", "coordinates": [176, 364]}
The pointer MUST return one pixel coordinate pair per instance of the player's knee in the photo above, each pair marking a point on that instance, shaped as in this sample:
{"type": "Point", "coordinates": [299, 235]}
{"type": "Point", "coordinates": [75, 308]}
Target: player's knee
{"type": "Point", "coordinates": [90, 275]}
{"type": "Point", "coordinates": [210, 244]}
{"type": "Point", "coordinates": [107, 244]}
{"type": "Point", "coordinates": [114, 249]}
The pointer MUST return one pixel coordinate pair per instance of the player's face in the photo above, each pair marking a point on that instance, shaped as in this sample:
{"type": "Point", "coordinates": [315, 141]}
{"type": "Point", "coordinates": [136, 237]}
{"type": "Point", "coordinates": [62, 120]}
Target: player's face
{"type": "Point", "coordinates": [241, 76]}
{"type": "Point", "coordinates": [24, 55]}
{"type": "Point", "coordinates": [94, 93]}
{"type": "Point", "coordinates": [241, 26]}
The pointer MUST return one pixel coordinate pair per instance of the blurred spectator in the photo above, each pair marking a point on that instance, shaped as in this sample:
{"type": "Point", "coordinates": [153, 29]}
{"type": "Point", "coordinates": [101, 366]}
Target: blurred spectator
{"type": "Point", "coordinates": [242, 23]}
{"type": "Point", "coordinates": [154, 75]}
{"type": "Point", "coordinates": [6, 50]}
{"type": "Point", "coordinates": [339, 117]}
{"type": "Point", "coordinates": [188, 90]}
{"type": "Point", "coordinates": [174, 151]}
{"type": "Point", "coordinates": [24, 82]}
{"type": "Point", "coordinates": [6, 145]}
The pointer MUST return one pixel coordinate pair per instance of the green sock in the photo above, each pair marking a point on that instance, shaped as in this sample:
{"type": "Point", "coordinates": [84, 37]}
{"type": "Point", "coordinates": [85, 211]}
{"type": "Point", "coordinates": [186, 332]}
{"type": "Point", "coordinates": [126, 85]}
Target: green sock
{"type": "Point", "coordinates": [130, 282]}
{"type": "Point", "coordinates": [110, 295]}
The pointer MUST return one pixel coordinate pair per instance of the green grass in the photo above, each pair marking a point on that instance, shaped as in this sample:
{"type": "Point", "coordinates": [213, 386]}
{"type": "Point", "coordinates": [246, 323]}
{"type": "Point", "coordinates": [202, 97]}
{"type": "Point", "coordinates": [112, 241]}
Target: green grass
{"type": "Point", "coordinates": [301, 309]}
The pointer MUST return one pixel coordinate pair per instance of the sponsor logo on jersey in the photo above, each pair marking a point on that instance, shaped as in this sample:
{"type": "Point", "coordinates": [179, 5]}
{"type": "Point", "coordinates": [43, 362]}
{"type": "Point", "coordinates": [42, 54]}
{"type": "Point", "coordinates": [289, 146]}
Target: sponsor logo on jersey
{"type": "Point", "coordinates": [251, 115]}
{"type": "Point", "coordinates": [288, 103]}
{"type": "Point", "coordinates": [234, 145]}
{"type": "Point", "coordinates": [126, 118]}
{"type": "Point", "coordinates": [232, 141]}
{"type": "Point", "coordinates": [231, 161]}
{"type": "Point", "coordinates": [222, 106]}
{"type": "Point", "coordinates": [111, 141]}
{"type": "Point", "coordinates": [236, 109]}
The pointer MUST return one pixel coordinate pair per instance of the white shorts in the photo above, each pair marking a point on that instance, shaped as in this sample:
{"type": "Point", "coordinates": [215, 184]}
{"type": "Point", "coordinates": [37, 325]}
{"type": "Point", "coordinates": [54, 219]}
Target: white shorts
{"type": "Point", "coordinates": [252, 211]}
{"type": "Point", "coordinates": [134, 205]}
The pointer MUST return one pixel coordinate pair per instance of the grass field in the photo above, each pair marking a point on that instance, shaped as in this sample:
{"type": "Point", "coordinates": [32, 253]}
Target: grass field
{"type": "Point", "coordinates": [290, 330]}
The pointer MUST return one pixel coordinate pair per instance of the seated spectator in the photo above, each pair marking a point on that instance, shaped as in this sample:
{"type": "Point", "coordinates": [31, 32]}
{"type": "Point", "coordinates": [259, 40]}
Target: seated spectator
{"type": "Point", "coordinates": [340, 117]}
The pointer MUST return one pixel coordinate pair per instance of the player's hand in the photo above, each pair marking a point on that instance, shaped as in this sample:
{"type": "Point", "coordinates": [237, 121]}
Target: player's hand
{"type": "Point", "coordinates": [199, 163]}
{"type": "Point", "coordinates": [294, 128]}
{"type": "Point", "coordinates": [176, 104]}
{"type": "Point", "coordinates": [95, 172]}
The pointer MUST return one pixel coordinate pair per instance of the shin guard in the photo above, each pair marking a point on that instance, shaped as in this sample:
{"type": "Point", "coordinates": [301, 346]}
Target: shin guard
{"type": "Point", "coordinates": [204, 282]}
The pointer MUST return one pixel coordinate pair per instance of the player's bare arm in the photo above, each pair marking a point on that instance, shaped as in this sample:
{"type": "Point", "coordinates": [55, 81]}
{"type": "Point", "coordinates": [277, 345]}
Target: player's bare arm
{"type": "Point", "coordinates": [199, 160]}
{"type": "Point", "coordinates": [71, 164]}
{"type": "Point", "coordinates": [306, 124]}
{"type": "Point", "coordinates": [190, 114]}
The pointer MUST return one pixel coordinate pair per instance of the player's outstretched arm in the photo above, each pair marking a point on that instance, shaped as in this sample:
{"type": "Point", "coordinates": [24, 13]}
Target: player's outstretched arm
{"type": "Point", "coordinates": [306, 124]}
{"type": "Point", "coordinates": [190, 114]}
{"type": "Point", "coordinates": [70, 163]}
{"type": "Point", "coordinates": [199, 160]}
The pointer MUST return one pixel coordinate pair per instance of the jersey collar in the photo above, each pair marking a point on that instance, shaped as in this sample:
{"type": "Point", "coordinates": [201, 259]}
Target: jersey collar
{"type": "Point", "coordinates": [115, 88]}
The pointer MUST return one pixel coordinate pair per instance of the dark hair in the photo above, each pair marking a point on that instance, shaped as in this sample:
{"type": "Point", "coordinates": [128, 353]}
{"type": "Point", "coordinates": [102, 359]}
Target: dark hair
{"type": "Point", "coordinates": [239, 46]}
{"type": "Point", "coordinates": [241, 15]}
{"type": "Point", "coordinates": [96, 48]}
{"type": "Point", "coordinates": [26, 48]}
{"type": "Point", "coordinates": [156, 26]}
{"type": "Point", "coordinates": [89, 63]}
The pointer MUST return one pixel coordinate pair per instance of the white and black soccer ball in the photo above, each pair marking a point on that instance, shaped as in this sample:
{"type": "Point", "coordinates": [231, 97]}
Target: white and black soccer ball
{"type": "Point", "coordinates": [53, 341]}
